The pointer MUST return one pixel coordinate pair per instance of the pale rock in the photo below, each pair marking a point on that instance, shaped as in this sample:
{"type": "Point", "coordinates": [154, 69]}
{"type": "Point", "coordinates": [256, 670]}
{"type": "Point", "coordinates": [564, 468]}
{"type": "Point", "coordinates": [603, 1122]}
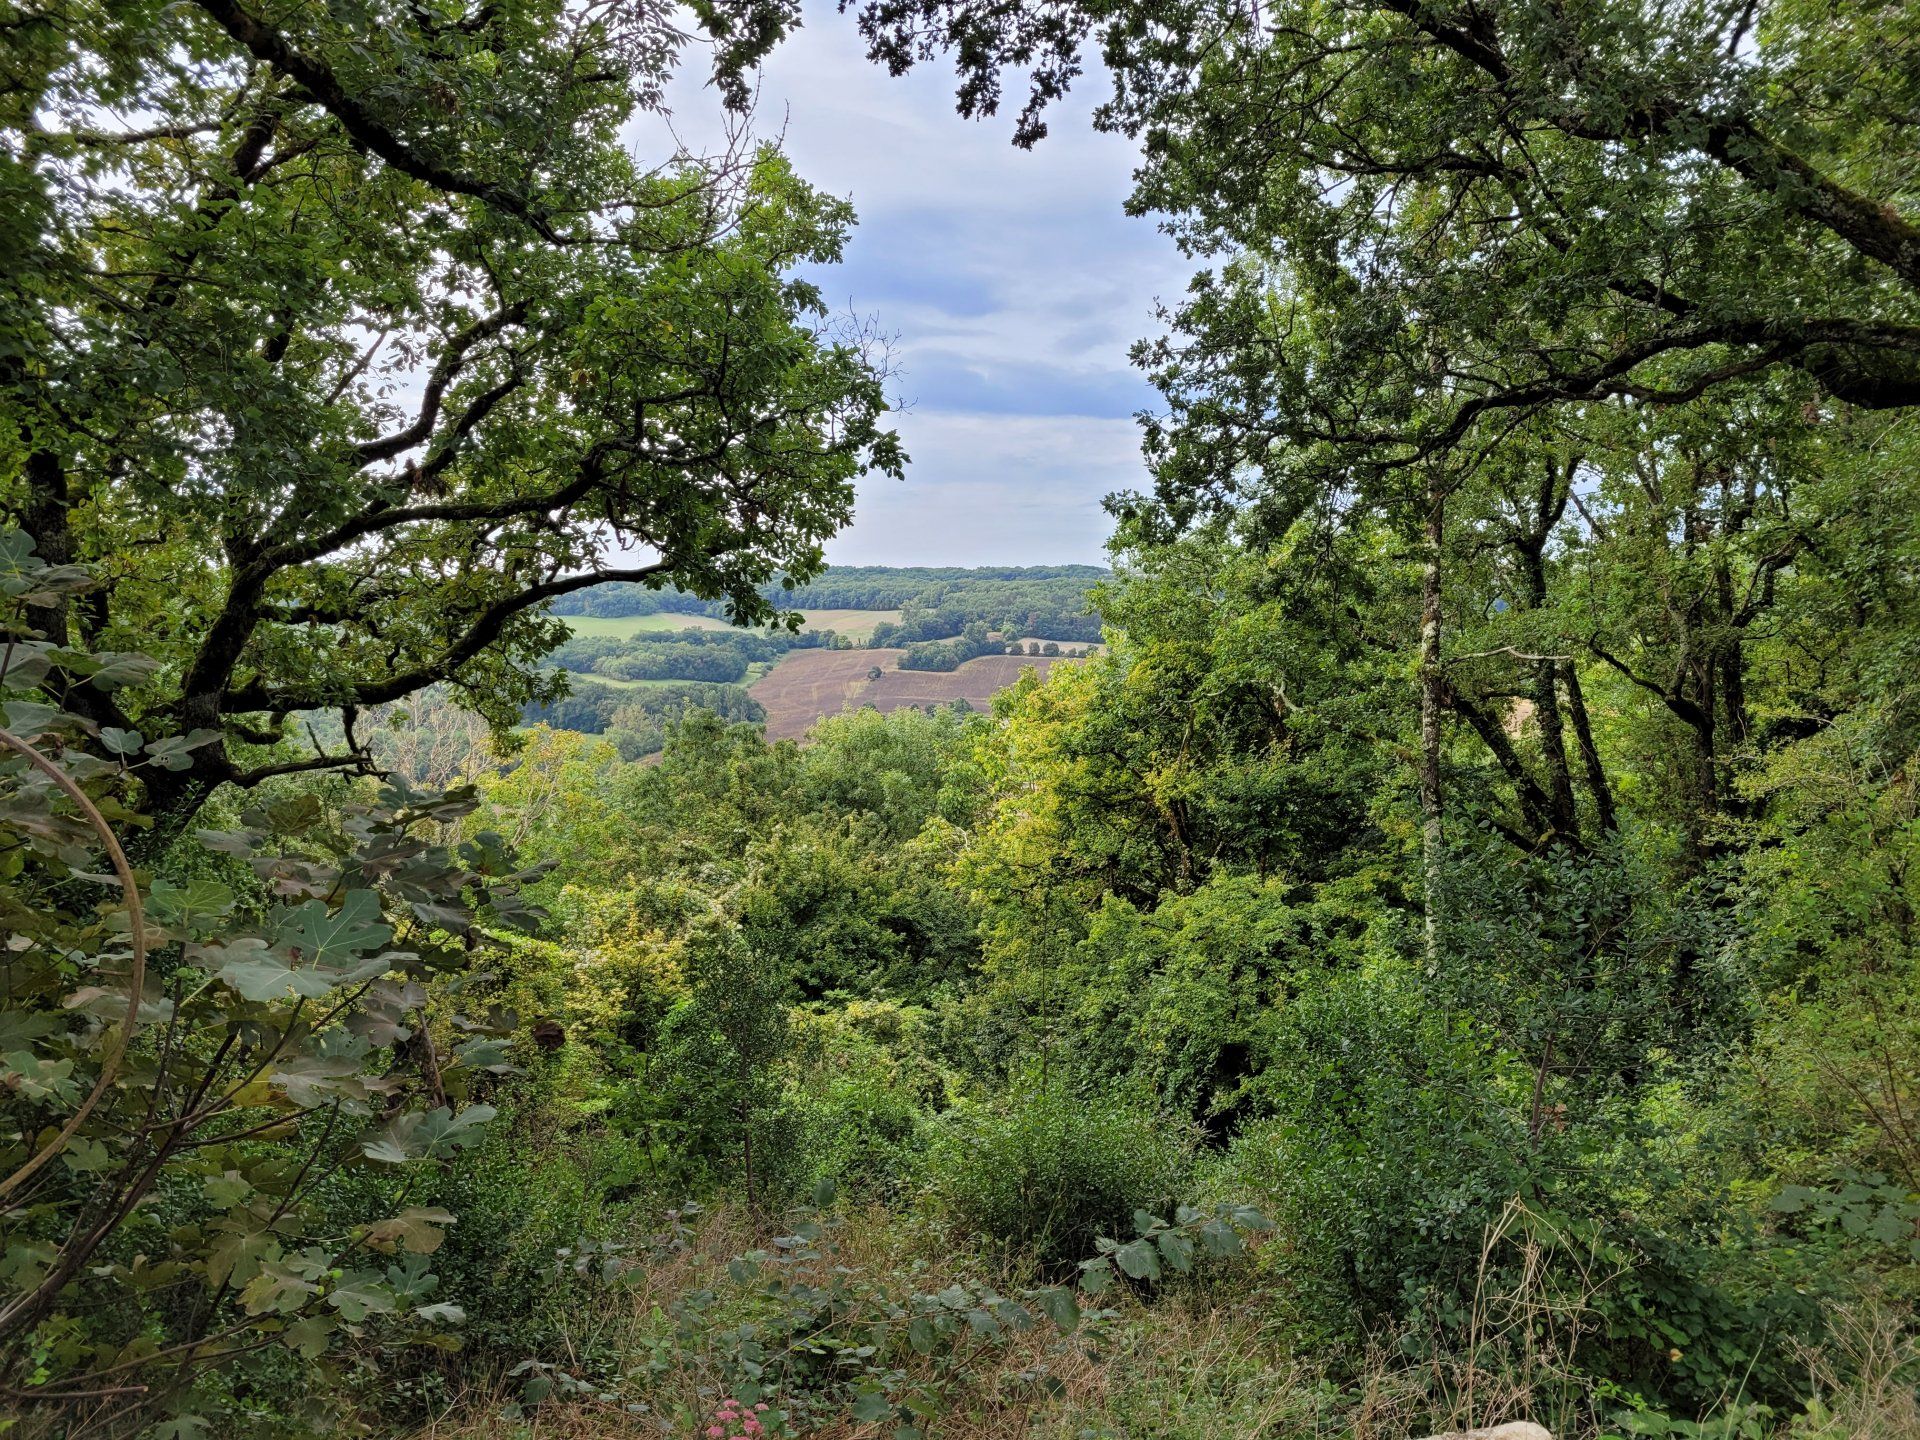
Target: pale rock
{"type": "Point", "coordinates": [1513, 1430]}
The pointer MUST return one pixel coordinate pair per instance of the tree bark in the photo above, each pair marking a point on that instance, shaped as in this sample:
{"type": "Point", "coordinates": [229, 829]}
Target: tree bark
{"type": "Point", "coordinates": [1433, 698]}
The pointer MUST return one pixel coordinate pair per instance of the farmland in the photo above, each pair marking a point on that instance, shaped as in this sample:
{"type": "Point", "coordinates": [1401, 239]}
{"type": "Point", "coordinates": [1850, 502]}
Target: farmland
{"type": "Point", "coordinates": [625, 627]}
{"type": "Point", "coordinates": [808, 684]}
{"type": "Point", "coordinates": [856, 625]}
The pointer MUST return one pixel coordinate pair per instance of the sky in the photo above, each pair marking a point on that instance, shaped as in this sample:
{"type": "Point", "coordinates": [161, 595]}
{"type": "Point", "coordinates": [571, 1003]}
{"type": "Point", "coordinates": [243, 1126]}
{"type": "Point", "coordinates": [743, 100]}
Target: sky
{"type": "Point", "coordinates": [1012, 282]}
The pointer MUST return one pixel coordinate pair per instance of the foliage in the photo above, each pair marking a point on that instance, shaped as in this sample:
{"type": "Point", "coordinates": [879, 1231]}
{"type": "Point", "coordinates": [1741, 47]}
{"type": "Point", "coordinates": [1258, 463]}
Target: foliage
{"type": "Point", "coordinates": [209, 310]}
{"type": "Point", "coordinates": [190, 1059]}
{"type": "Point", "coordinates": [936, 602]}
{"type": "Point", "coordinates": [1046, 1173]}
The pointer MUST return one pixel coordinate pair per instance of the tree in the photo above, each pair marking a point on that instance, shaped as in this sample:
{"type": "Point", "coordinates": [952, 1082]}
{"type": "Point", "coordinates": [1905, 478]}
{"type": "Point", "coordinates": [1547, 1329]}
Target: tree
{"type": "Point", "coordinates": [217, 1047]}
{"type": "Point", "coordinates": [1500, 210]}
{"type": "Point", "coordinates": [368, 339]}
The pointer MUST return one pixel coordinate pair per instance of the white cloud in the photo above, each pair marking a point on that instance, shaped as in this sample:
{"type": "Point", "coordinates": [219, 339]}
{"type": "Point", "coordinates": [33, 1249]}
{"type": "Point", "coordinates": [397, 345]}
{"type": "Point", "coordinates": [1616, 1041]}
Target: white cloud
{"type": "Point", "coordinates": [1014, 282]}
{"type": "Point", "coordinates": [995, 489]}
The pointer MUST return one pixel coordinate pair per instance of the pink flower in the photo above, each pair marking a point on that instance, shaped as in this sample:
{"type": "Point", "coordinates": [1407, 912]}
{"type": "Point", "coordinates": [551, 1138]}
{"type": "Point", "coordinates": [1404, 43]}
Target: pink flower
{"type": "Point", "coordinates": [714, 1432]}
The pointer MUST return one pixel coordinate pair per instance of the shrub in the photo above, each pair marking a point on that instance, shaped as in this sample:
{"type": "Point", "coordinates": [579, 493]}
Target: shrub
{"type": "Point", "coordinates": [1390, 1150]}
{"type": "Point", "coordinates": [1049, 1172]}
{"type": "Point", "coordinates": [870, 1088]}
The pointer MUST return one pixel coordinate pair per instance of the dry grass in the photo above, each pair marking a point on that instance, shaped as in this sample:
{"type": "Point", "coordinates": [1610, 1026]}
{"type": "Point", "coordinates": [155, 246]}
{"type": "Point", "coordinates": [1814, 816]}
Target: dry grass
{"type": "Point", "coordinates": [1199, 1364]}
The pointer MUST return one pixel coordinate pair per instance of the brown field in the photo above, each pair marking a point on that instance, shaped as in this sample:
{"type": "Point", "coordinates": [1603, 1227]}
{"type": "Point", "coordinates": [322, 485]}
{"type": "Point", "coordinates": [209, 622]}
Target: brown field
{"type": "Point", "coordinates": [808, 684]}
{"type": "Point", "coordinates": [977, 681]}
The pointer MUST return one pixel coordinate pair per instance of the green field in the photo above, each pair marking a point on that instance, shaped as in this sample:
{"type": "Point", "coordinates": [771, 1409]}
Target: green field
{"type": "Point", "coordinates": [580, 679]}
{"type": "Point", "coordinates": [625, 627]}
{"type": "Point", "coordinates": [854, 624]}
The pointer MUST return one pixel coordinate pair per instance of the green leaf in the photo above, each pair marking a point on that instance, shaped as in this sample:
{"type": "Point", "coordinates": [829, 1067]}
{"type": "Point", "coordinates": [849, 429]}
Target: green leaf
{"type": "Point", "coordinates": [189, 906]}
{"type": "Point", "coordinates": [360, 1293]}
{"type": "Point", "coordinates": [438, 1132]}
{"type": "Point", "coordinates": [121, 742]}
{"type": "Point", "coordinates": [1138, 1260]}
{"type": "Point", "coordinates": [28, 1075]}
{"type": "Point", "coordinates": [263, 975]}
{"type": "Point", "coordinates": [122, 667]}
{"type": "Point", "coordinates": [1058, 1305]}
{"type": "Point", "coordinates": [1095, 1276]}
{"type": "Point", "coordinates": [276, 1289]}
{"type": "Point", "coordinates": [1176, 1249]}
{"type": "Point", "coordinates": [872, 1405]}
{"type": "Point", "coordinates": [416, 1228]}
{"type": "Point", "coordinates": [319, 937]}
{"type": "Point", "coordinates": [175, 752]}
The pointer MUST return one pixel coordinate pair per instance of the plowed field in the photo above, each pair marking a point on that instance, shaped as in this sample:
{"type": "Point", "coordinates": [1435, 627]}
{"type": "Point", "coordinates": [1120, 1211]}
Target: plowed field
{"type": "Point", "coordinates": [808, 684]}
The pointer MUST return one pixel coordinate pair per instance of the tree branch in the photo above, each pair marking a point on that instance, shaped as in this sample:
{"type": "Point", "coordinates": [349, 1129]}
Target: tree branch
{"type": "Point", "coordinates": [483, 632]}
{"type": "Point", "coordinates": [445, 371]}
{"type": "Point", "coordinates": [270, 46]}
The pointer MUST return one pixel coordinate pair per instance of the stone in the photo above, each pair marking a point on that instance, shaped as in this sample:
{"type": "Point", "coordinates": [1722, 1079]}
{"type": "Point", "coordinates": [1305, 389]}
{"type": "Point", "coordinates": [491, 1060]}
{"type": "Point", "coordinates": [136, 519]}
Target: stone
{"type": "Point", "coordinates": [1513, 1430]}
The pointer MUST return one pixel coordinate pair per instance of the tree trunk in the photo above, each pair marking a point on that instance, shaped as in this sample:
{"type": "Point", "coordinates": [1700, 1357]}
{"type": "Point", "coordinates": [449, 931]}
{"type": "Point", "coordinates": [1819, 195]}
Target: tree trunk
{"type": "Point", "coordinates": [1433, 697]}
{"type": "Point", "coordinates": [1597, 785]}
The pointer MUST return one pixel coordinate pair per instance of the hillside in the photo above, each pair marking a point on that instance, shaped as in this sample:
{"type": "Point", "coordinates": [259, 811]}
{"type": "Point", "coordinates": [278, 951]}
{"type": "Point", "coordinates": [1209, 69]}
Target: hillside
{"type": "Point", "coordinates": [936, 637]}
{"type": "Point", "coordinates": [808, 685]}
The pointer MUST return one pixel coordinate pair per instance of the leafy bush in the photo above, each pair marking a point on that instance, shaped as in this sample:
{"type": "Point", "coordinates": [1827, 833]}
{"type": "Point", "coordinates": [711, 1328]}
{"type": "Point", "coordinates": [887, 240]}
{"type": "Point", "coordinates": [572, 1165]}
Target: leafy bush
{"type": "Point", "coordinates": [1390, 1151]}
{"type": "Point", "coordinates": [1048, 1172]}
{"type": "Point", "coordinates": [870, 1089]}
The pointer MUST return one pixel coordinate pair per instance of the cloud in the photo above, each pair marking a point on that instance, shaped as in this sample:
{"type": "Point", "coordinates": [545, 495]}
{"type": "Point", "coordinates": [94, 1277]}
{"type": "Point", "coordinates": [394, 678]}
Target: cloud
{"type": "Point", "coordinates": [1012, 279]}
{"type": "Point", "coordinates": [989, 488]}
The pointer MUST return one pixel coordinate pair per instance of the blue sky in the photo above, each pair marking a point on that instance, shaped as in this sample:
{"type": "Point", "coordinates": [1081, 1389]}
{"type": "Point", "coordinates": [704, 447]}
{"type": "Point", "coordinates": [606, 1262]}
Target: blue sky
{"type": "Point", "coordinates": [1013, 282]}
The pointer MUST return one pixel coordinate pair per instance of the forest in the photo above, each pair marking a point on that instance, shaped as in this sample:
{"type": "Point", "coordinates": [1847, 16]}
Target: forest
{"type": "Point", "coordinates": [1446, 959]}
{"type": "Point", "coordinates": [936, 602]}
